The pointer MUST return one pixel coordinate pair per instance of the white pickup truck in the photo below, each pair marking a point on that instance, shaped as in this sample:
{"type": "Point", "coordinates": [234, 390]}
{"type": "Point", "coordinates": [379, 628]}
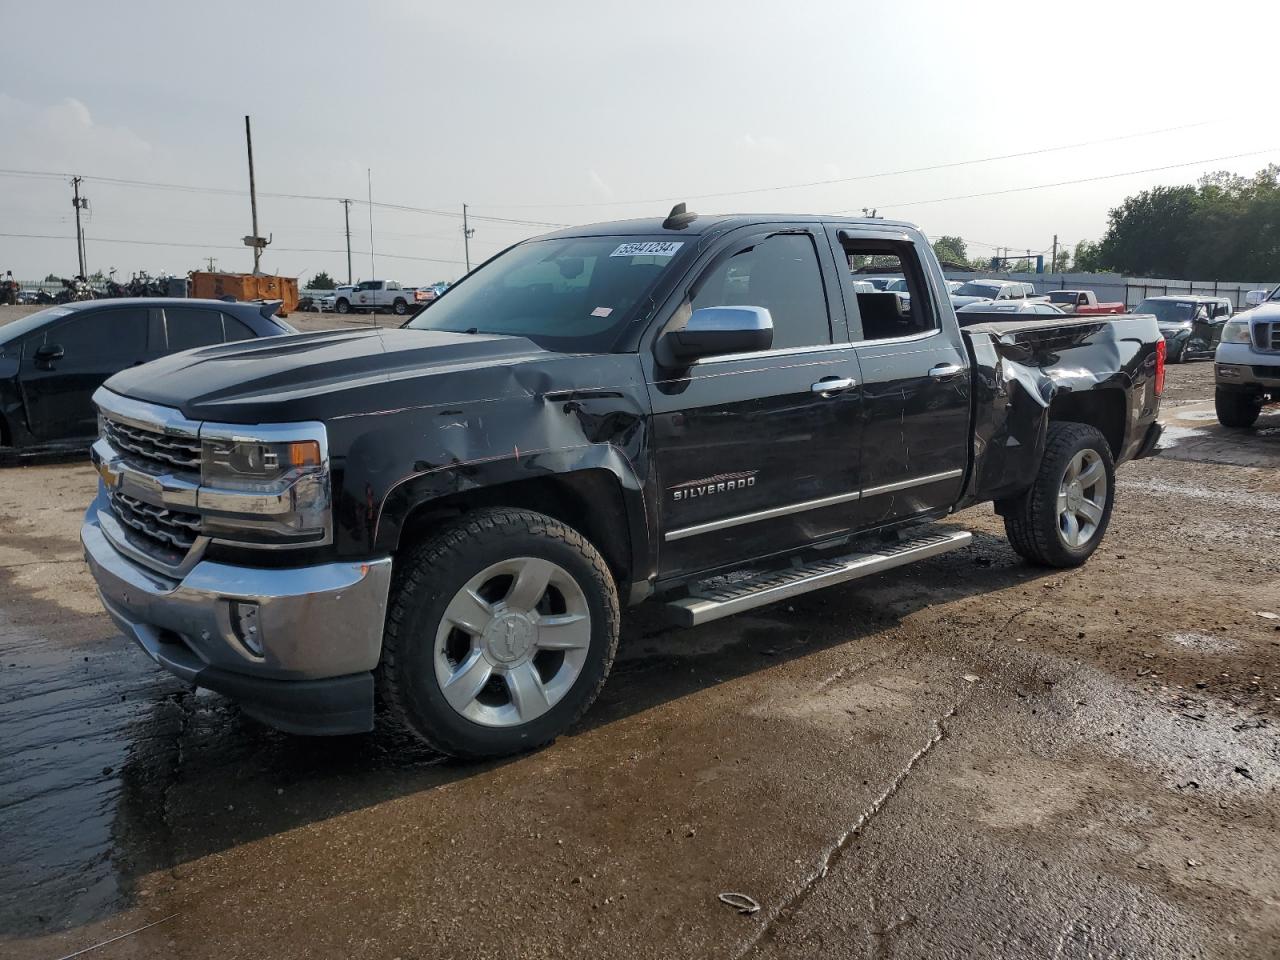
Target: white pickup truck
{"type": "Point", "coordinates": [375, 296]}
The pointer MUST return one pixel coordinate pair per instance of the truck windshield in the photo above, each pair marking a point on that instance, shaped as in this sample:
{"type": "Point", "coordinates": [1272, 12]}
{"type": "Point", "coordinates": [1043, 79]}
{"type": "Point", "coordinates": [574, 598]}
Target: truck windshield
{"type": "Point", "coordinates": [571, 295]}
{"type": "Point", "coordinates": [1167, 311]}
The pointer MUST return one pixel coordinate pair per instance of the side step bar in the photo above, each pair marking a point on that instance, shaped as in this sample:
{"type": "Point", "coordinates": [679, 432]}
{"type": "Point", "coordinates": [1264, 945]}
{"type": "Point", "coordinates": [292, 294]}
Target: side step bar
{"type": "Point", "coordinates": [723, 597]}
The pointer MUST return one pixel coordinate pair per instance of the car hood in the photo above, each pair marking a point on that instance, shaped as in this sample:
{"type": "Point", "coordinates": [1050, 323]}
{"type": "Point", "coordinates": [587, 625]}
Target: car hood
{"type": "Point", "coordinates": [317, 376]}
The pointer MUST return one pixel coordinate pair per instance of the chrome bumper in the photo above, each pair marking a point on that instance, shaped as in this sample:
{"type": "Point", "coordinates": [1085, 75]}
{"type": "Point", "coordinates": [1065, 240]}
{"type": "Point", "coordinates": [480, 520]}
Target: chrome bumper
{"type": "Point", "coordinates": [1242, 376]}
{"type": "Point", "coordinates": [319, 629]}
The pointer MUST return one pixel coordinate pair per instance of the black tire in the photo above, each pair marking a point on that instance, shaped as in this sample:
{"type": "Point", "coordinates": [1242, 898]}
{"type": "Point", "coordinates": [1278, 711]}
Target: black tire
{"type": "Point", "coordinates": [1032, 521]}
{"type": "Point", "coordinates": [343, 306]}
{"type": "Point", "coordinates": [427, 579]}
{"type": "Point", "coordinates": [1180, 356]}
{"type": "Point", "coordinates": [1235, 408]}
{"type": "Point", "coordinates": [399, 308]}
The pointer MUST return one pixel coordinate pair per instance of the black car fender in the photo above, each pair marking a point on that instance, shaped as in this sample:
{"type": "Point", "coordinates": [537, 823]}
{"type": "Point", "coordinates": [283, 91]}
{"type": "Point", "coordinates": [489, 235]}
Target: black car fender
{"type": "Point", "coordinates": [593, 487]}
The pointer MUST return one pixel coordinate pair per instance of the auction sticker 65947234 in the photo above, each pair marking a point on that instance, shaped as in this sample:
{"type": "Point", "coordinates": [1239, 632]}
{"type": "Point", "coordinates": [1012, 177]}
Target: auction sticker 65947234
{"type": "Point", "coordinates": [648, 248]}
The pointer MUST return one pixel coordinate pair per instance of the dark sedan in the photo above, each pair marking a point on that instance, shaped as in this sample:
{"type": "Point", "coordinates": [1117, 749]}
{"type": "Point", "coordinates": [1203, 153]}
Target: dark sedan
{"type": "Point", "coordinates": [52, 361]}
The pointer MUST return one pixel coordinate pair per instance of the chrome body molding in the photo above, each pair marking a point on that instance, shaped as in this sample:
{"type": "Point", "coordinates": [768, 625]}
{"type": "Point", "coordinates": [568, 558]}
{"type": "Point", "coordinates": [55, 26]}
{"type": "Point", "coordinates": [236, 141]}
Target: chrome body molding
{"type": "Point", "coordinates": [314, 622]}
{"type": "Point", "coordinates": [912, 482]}
{"type": "Point", "coordinates": [726, 522]}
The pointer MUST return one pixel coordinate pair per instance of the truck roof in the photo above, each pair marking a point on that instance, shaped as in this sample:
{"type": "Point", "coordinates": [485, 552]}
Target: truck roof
{"type": "Point", "coordinates": [709, 223]}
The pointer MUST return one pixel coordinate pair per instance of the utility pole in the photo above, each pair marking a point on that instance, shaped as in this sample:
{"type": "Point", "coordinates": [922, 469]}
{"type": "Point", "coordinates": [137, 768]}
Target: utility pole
{"type": "Point", "coordinates": [373, 269]}
{"type": "Point", "coordinates": [255, 241]}
{"type": "Point", "coordinates": [1053, 264]}
{"type": "Point", "coordinates": [467, 234]}
{"type": "Point", "coordinates": [80, 203]}
{"type": "Point", "coordinates": [210, 259]}
{"type": "Point", "coordinates": [346, 212]}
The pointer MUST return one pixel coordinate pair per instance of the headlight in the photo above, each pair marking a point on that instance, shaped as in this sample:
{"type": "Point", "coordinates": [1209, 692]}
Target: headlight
{"type": "Point", "coordinates": [268, 489]}
{"type": "Point", "coordinates": [1235, 331]}
{"type": "Point", "coordinates": [255, 465]}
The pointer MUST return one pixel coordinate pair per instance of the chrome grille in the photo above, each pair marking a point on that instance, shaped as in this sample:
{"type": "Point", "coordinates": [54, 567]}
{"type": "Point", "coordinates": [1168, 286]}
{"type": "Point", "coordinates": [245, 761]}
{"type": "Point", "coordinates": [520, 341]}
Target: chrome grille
{"type": "Point", "coordinates": [169, 529]}
{"type": "Point", "coordinates": [161, 452]}
{"type": "Point", "coordinates": [1266, 336]}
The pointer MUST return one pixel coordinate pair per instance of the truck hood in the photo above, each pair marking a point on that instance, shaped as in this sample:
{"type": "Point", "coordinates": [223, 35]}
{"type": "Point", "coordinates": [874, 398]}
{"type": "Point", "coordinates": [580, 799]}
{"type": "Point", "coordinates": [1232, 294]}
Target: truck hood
{"type": "Point", "coordinates": [316, 376]}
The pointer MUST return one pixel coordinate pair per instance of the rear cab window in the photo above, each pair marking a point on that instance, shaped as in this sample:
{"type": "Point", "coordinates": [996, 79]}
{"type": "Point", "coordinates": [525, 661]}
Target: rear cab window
{"type": "Point", "coordinates": [889, 314]}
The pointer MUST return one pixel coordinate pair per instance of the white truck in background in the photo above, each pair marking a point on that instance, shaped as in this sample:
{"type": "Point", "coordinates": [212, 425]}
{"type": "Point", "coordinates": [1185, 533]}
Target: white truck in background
{"type": "Point", "coordinates": [375, 296]}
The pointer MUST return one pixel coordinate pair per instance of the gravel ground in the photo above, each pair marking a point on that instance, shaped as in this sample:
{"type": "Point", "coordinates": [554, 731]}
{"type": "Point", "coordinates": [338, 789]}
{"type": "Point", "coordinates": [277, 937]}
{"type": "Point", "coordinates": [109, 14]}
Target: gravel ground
{"type": "Point", "coordinates": [969, 757]}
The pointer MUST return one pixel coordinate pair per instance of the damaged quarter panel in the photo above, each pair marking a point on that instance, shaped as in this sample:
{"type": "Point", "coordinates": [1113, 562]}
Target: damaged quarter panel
{"type": "Point", "coordinates": [1027, 373]}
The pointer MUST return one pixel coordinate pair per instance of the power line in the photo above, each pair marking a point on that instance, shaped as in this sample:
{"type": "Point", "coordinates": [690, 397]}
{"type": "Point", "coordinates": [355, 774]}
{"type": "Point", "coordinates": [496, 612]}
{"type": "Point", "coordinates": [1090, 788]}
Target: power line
{"type": "Point", "coordinates": [227, 192]}
{"type": "Point", "coordinates": [866, 176]}
{"type": "Point", "coordinates": [216, 246]}
{"type": "Point", "coordinates": [1068, 183]}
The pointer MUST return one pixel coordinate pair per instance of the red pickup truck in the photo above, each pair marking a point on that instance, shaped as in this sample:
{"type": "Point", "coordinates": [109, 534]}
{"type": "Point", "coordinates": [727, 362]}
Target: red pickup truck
{"type": "Point", "coordinates": [1083, 302]}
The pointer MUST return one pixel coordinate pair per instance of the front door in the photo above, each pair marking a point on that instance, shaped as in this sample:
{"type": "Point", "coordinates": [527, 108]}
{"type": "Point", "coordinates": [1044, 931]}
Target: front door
{"type": "Point", "coordinates": [95, 344]}
{"type": "Point", "coordinates": [754, 455]}
{"type": "Point", "coordinates": [915, 382]}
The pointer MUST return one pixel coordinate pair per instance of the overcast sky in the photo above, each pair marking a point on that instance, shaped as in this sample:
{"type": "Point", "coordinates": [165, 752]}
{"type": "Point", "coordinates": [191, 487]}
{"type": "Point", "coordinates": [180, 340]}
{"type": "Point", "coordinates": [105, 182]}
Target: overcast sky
{"type": "Point", "coordinates": [572, 112]}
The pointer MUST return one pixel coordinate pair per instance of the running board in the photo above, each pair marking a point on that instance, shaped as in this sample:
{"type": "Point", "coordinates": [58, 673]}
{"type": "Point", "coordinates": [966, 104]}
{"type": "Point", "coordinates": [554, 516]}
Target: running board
{"type": "Point", "coordinates": [723, 597]}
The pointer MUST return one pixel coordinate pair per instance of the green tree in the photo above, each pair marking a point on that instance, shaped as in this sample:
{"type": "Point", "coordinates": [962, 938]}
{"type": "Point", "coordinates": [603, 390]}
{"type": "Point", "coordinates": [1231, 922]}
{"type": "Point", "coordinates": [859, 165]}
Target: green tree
{"type": "Point", "coordinates": [1063, 261]}
{"type": "Point", "coordinates": [1224, 227]}
{"type": "Point", "coordinates": [951, 250]}
{"type": "Point", "coordinates": [321, 281]}
{"type": "Point", "coordinates": [1086, 257]}
{"type": "Point", "coordinates": [52, 278]}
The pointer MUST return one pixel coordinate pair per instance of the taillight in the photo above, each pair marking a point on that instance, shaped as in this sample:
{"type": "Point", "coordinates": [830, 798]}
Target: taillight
{"type": "Point", "coordinates": [1161, 349]}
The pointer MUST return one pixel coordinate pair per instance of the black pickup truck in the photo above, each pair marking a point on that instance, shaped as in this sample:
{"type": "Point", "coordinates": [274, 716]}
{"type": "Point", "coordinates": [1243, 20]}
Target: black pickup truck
{"type": "Point", "coordinates": [446, 519]}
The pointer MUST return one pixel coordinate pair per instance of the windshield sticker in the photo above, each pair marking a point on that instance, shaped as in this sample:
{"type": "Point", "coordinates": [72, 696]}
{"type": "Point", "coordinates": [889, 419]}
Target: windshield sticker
{"type": "Point", "coordinates": [602, 311]}
{"type": "Point", "coordinates": [648, 248]}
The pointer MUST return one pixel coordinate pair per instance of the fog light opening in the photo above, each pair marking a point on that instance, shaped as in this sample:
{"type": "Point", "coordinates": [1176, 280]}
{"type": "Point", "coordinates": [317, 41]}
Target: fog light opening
{"type": "Point", "coordinates": [244, 624]}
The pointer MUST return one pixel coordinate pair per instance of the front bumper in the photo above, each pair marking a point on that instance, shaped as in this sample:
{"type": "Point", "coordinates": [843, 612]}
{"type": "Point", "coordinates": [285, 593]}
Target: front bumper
{"type": "Point", "coordinates": [318, 630]}
{"type": "Point", "coordinates": [1251, 377]}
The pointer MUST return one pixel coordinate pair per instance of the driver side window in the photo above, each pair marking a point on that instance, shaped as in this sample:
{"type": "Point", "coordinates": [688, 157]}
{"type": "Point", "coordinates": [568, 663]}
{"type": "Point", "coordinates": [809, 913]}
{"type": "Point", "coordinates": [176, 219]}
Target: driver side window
{"type": "Point", "coordinates": [781, 274]}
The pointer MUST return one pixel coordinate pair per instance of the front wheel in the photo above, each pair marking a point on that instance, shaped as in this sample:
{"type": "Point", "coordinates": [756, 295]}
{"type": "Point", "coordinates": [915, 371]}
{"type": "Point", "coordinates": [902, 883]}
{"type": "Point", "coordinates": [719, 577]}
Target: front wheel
{"type": "Point", "coordinates": [343, 306]}
{"type": "Point", "coordinates": [500, 633]}
{"type": "Point", "coordinates": [1062, 518]}
{"type": "Point", "coordinates": [1236, 409]}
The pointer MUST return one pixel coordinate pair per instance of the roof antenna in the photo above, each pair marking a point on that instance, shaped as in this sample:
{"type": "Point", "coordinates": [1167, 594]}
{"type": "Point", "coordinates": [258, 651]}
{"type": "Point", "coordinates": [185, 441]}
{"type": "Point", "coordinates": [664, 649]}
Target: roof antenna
{"type": "Point", "coordinates": [678, 218]}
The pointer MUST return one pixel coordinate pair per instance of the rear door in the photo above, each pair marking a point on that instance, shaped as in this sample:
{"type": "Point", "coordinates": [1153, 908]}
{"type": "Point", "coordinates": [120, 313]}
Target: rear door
{"type": "Point", "coordinates": [95, 344]}
{"type": "Point", "coordinates": [754, 456]}
{"type": "Point", "coordinates": [915, 382]}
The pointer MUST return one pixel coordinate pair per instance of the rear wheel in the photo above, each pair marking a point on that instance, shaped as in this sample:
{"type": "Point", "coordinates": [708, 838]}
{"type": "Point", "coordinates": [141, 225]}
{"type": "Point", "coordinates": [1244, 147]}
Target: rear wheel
{"type": "Point", "coordinates": [500, 633]}
{"type": "Point", "coordinates": [1236, 409]}
{"type": "Point", "coordinates": [400, 308]}
{"type": "Point", "coordinates": [1062, 518]}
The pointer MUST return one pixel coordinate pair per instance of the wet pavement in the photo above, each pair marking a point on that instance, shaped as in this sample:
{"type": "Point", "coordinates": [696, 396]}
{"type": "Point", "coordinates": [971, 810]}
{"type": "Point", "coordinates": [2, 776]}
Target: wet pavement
{"type": "Point", "coordinates": [965, 758]}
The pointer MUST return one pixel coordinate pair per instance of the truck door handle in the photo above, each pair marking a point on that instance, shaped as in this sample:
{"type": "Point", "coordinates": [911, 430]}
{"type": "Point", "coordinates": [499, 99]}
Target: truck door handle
{"type": "Point", "coordinates": [832, 385]}
{"type": "Point", "coordinates": [945, 371]}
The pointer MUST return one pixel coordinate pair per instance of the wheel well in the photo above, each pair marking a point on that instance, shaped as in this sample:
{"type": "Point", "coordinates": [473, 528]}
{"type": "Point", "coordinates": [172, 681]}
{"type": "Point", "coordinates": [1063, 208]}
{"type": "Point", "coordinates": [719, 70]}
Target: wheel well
{"type": "Point", "coordinates": [589, 501]}
{"type": "Point", "coordinates": [1103, 409]}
